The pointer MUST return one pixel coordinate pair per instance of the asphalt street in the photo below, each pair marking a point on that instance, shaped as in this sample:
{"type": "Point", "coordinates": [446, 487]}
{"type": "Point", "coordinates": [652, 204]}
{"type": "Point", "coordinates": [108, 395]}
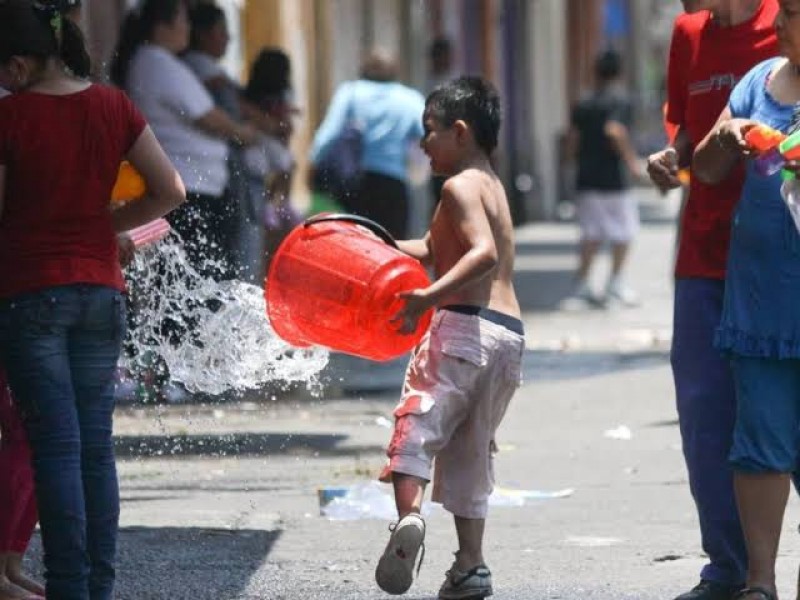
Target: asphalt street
{"type": "Point", "coordinates": [220, 502]}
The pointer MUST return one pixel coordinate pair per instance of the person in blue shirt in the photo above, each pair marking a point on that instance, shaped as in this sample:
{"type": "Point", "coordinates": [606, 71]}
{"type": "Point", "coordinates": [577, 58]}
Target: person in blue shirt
{"type": "Point", "coordinates": [389, 115]}
{"type": "Point", "coordinates": [760, 324]}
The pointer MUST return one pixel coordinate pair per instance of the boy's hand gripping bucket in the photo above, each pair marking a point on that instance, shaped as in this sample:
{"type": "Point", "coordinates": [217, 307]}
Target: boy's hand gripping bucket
{"type": "Point", "coordinates": [334, 282]}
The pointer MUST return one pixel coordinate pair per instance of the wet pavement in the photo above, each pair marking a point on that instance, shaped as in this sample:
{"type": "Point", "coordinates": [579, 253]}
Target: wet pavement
{"type": "Point", "coordinates": [220, 501]}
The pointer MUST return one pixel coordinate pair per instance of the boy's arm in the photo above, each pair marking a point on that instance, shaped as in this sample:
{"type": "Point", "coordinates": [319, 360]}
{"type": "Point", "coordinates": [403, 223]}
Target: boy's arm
{"type": "Point", "coordinates": [419, 249]}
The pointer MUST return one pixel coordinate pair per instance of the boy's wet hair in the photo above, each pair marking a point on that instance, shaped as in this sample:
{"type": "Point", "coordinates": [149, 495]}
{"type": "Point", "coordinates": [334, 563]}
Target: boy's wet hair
{"type": "Point", "coordinates": [472, 100]}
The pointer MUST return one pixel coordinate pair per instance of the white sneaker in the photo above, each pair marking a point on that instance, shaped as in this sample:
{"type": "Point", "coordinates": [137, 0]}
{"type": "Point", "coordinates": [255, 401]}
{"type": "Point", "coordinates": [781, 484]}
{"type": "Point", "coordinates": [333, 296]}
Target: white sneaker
{"type": "Point", "coordinates": [581, 299]}
{"type": "Point", "coordinates": [395, 571]}
{"type": "Point", "coordinates": [622, 295]}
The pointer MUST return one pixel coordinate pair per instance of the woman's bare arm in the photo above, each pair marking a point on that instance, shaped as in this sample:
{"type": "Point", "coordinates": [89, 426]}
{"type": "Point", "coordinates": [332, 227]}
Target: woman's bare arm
{"type": "Point", "coordinates": [165, 189]}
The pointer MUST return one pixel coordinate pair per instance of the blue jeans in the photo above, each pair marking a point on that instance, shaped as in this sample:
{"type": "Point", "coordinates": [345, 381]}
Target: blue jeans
{"type": "Point", "coordinates": [706, 402]}
{"type": "Point", "coordinates": [60, 347]}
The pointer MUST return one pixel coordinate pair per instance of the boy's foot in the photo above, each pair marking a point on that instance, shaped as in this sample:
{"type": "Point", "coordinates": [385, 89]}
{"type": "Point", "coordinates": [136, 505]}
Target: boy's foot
{"type": "Point", "coordinates": [711, 590]}
{"type": "Point", "coordinates": [473, 584]}
{"type": "Point", "coordinates": [395, 571]}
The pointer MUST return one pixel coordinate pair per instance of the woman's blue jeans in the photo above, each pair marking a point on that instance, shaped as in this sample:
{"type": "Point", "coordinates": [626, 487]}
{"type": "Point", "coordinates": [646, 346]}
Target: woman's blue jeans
{"type": "Point", "coordinates": [60, 347]}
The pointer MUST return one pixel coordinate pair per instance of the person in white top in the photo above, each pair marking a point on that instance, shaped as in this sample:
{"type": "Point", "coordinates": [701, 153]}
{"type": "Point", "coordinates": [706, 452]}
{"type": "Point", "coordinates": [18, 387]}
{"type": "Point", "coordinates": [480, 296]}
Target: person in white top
{"type": "Point", "coordinates": [192, 130]}
{"type": "Point", "coordinates": [209, 42]}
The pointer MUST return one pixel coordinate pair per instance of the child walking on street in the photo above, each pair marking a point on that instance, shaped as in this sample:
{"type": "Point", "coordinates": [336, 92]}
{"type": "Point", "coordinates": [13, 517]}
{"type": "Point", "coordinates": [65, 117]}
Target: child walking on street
{"type": "Point", "coordinates": [465, 370]}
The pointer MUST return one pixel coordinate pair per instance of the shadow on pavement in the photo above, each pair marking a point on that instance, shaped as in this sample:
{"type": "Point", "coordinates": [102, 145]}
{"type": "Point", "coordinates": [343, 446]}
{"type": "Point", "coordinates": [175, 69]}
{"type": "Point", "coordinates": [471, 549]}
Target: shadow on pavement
{"type": "Point", "coordinates": [540, 290]}
{"type": "Point", "coordinates": [234, 444]}
{"type": "Point", "coordinates": [547, 248]}
{"type": "Point", "coordinates": [546, 365]}
{"type": "Point", "coordinates": [183, 562]}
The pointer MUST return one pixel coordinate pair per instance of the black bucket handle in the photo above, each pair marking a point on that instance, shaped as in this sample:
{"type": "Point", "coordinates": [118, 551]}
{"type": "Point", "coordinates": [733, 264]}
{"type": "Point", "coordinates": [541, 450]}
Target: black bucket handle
{"type": "Point", "coordinates": [374, 227]}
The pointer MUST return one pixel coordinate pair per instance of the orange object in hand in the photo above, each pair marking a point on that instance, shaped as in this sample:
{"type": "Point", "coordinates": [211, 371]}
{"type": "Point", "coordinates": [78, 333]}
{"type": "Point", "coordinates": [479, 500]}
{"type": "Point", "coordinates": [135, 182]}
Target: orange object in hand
{"type": "Point", "coordinates": [129, 185]}
{"type": "Point", "coordinates": [762, 138]}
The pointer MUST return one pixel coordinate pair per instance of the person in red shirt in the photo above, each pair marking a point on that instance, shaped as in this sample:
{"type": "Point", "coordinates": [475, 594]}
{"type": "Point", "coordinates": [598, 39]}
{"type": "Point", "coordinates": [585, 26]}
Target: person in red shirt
{"type": "Point", "coordinates": [713, 45]}
{"type": "Point", "coordinates": [17, 502]}
{"type": "Point", "coordinates": [62, 309]}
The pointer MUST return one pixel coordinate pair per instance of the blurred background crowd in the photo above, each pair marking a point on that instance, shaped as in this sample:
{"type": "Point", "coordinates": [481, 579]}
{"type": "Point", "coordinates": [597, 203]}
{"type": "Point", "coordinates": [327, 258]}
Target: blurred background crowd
{"type": "Point", "coordinates": [512, 42]}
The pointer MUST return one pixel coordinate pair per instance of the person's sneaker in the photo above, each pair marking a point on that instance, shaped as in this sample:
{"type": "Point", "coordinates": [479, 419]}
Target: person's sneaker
{"type": "Point", "coordinates": [581, 298]}
{"type": "Point", "coordinates": [623, 295]}
{"type": "Point", "coordinates": [395, 571]}
{"type": "Point", "coordinates": [711, 590]}
{"type": "Point", "coordinates": [473, 584]}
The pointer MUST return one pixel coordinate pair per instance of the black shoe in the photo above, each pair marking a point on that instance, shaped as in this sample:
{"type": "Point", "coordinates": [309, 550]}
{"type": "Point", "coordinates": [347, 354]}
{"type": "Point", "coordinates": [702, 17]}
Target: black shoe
{"type": "Point", "coordinates": [711, 590]}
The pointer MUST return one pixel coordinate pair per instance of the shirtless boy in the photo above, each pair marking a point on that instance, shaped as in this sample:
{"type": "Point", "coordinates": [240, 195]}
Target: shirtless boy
{"type": "Point", "coordinates": [465, 370]}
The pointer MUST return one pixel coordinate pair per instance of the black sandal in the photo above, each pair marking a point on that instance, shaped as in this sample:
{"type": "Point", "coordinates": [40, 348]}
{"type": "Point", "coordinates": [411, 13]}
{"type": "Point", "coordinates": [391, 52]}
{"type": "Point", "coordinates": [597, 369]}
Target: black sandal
{"type": "Point", "coordinates": [756, 590]}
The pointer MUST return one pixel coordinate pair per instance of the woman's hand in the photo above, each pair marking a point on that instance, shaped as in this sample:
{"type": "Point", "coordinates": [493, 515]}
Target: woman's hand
{"type": "Point", "coordinates": [127, 249]}
{"type": "Point", "coordinates": [729, 135]}
{"type": "Point", "coordinates": [722, 148]}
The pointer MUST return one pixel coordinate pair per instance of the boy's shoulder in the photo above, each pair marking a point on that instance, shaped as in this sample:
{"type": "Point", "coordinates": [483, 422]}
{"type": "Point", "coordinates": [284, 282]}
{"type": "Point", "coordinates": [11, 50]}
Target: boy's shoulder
{"type": "Point", "coordinates": [459, 183]}
{"type": "Point", "coordinates": [467, 184]}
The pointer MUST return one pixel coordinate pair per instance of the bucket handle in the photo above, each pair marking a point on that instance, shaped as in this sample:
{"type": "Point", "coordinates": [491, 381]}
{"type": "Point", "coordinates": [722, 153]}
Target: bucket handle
{"type": "Point", "coordinates": [374, 227]}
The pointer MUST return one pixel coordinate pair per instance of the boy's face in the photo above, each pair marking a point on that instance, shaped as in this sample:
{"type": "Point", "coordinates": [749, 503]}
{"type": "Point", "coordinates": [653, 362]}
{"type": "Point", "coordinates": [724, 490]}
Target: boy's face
{"type": "Point", "coordinates": [440, 143]}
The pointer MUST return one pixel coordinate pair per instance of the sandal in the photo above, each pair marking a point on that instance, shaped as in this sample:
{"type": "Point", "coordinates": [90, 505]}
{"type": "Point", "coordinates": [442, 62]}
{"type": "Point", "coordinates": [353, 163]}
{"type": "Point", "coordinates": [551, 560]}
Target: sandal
{"type": "Point", "coordinates": [756, 590]}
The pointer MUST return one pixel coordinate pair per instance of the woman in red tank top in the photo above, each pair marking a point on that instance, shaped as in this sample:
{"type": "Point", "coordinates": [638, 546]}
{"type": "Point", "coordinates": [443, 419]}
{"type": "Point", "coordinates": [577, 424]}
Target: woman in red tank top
{"type": "Point", "coordinates": [62, 303]}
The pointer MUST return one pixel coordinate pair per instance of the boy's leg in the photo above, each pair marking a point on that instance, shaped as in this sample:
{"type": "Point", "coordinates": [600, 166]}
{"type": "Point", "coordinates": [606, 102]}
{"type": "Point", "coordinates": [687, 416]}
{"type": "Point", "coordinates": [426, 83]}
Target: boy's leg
{"type": "Point", "coordinates": [470, 542]}
{"type": "Point", "coordinates": [409, 492]}
{"type": "Point", "coordinates": [395, 571]}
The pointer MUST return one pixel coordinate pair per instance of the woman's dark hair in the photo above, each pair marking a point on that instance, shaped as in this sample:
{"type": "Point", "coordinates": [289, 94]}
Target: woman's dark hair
{"type": "Point", "coordinates": [472, 100]}
{"type": "Point", "coordinates": [204, 17]}
{"type": "Point", "coordinates": [40, 30]}
{"type": "Point", "coordinates": [270, 76]}
{"type": "Point", "coordinates": [138, 28]}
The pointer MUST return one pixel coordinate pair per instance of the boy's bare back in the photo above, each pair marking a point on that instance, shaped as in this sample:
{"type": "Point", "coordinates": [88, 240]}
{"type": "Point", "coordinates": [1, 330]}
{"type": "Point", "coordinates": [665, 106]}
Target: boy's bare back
{"type": "Point", "coordinates": [474, 204]}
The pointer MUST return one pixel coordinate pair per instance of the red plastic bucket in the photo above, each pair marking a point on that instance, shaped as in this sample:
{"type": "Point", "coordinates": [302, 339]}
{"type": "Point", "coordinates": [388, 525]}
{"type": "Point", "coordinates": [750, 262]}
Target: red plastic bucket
{"type": "Point", "coordinates": [334, 282]}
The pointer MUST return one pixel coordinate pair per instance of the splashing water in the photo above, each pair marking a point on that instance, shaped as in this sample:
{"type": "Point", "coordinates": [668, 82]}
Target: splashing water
{"type": "Point", "coordinates": [210, 336]}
